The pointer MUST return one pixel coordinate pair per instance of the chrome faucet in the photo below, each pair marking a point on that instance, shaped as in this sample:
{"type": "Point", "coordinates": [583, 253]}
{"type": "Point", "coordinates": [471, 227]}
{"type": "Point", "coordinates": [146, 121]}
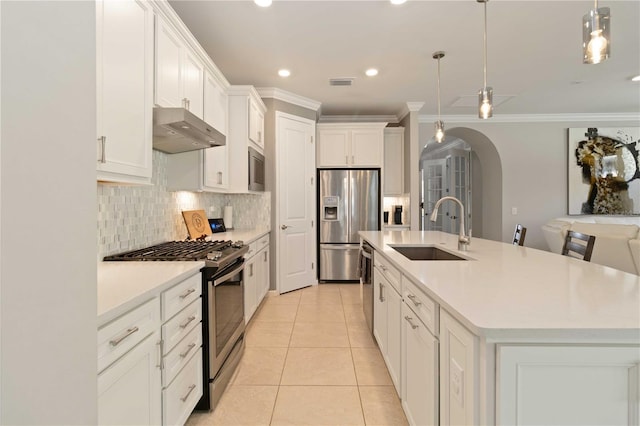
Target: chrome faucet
{"type": "Point", "coordinates": [463, 240]}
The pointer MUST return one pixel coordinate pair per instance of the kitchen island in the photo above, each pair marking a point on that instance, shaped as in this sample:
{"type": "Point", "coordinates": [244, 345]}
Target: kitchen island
{"type": "Point", "coordinates": [509, 335]}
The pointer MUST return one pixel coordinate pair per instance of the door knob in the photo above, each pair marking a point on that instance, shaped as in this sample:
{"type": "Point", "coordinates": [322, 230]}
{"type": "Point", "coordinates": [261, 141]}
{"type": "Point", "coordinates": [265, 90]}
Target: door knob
{"type": "Point", "coordinates": [283, 227]}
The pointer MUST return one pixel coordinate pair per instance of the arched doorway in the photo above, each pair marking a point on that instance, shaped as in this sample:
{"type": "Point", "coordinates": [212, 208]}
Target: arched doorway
{"type": "Point", "coordinates": [483, 174]}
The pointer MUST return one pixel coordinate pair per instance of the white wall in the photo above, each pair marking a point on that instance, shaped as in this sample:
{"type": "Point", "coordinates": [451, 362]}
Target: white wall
{"type": "Point", "coordinates": [534, 169]}
{"type": "Point", "coordinates": [48, 213]}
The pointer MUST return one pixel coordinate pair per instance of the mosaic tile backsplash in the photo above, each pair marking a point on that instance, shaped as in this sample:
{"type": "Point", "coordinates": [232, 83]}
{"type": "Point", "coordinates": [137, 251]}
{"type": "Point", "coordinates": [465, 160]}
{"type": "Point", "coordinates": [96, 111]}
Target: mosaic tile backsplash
{"type": "Point", "coordinates": [132, 217]}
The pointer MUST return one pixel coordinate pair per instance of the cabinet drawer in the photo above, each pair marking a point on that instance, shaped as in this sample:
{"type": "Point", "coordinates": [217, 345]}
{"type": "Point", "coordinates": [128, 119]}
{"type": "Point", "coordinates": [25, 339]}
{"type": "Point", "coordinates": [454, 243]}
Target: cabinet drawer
{"type": "Point", "coordinates": [390, 272]}
{"type": "Point", "coordinates": [253, 249]}
{"type": "Point", "coordinates": [180, 398]}
{"type": "Point", "coordinates": [119, 336]}
{"type": "Point", "coordinates": [181, 295]}
{"type": "Point", "coordinates": [425, 308]}
{"type": "Point", "coordinates": [179, 326]}
{"type": "Point", "coordinates": [181, 354]}
{"type": "Point", "coordinates": [262, 242]}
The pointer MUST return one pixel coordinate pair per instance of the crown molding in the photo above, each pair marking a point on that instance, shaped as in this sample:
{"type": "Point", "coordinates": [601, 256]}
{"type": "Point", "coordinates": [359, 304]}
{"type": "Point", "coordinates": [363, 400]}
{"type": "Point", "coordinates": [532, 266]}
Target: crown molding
{"type": "Point", "coordinates": [409, 107]}
{"type": "Point", "coordinates": [358, 119]}
{"type": "Point", "coordinates": [292, 98]}
{"type": "Point", "coordinates": [534, 118]}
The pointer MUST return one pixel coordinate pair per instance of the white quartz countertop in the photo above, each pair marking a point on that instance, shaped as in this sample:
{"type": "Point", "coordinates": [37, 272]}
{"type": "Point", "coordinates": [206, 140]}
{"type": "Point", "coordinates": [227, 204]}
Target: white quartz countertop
{"type": "Point", "coordinates": [503, 290]}
{"type": "Point", "coordinates": [246, 235]}
{"type": "Point", "coordinates": [124, 285]}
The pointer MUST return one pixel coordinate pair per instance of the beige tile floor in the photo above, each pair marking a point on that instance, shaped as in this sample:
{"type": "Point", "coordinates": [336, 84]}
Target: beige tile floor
{"type": "Point", "coordinates": [309, 360]}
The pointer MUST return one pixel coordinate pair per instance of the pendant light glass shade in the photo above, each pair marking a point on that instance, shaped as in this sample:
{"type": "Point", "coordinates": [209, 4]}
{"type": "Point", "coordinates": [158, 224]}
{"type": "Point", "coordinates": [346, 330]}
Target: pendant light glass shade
{"type": "Point", "coordinates": [485, 95]}
{"type": "Point", "coordinates": [439, 125]}
{"type": "Point", "coordinates": [596, 35]}
{"type": "Point", "coordinates": [485, 103]}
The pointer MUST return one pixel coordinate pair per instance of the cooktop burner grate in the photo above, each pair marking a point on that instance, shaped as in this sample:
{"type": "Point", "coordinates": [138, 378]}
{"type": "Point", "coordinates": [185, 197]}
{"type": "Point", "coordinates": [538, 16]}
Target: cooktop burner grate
{"type": "Point", "coordinates": [173, 250]}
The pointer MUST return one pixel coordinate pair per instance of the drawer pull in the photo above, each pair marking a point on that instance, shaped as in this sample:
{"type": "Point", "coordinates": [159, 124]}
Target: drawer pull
{"type": "Point", "coordinates": [384, 268]}
{"type": "Point", "coordinates": [129, 332]}
{"type": "Point", "coordinates": [191, 318]}
{"type": "Point", "coordinates": [191, 388]}
{"type": "Point", "coordinates": [413, 299]}
{"type": "Point", "coordinates": [408, 318]}
{"type": "Point", "coordinates": [381, 286]}
{"type": "Point", "coordinates": [186, 293]}
{"type": "Point", "coordinates": [184, 354]}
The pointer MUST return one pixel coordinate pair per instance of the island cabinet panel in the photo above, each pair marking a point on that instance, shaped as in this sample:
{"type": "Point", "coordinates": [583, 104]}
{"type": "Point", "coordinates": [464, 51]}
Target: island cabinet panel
{"type": "Point", "coordinates": [563, 385]}
{"type": "Point", "coordinates": [419, 370]}
{"type": "Point", "coordinates": [458, 373]}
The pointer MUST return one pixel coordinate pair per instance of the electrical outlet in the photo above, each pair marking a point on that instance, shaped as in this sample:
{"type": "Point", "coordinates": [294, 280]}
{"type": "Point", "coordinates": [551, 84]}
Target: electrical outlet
{"type": "Point", "coordinates": [514, 211]}
{"type": "Point", "coordinates": [456, 381]}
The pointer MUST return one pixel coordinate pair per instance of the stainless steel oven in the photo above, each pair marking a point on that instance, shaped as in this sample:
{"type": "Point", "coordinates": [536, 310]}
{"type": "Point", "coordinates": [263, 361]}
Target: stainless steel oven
{"type": "Point", "coordinates": [224, 306]}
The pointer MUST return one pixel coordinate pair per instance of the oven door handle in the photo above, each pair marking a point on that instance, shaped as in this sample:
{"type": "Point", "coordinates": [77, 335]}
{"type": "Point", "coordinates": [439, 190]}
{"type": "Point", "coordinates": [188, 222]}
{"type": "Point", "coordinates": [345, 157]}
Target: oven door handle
{"type": "Point", "coordinates": [223, 278]}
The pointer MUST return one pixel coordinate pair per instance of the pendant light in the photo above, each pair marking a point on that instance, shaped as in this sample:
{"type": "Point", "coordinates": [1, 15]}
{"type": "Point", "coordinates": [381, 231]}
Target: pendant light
{"type": "Point", "coordinates": [439, 125]}
{"type": "Point", "coordinates": [596, 38]}
{"type": "Point", "coordinates": [485, 95]}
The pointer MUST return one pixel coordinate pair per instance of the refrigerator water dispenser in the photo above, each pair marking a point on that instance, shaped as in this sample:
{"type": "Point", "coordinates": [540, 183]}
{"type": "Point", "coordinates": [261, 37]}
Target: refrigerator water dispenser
{"type": "Point", "coordinates": [330, 208]}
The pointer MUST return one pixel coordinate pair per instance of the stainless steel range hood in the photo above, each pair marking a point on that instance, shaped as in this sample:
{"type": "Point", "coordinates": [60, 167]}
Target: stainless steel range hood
{"type": "Point", "coordinates": [178, 130]}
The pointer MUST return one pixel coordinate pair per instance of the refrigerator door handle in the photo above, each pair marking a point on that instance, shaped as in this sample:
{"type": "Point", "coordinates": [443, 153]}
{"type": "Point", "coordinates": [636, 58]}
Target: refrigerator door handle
{"type": "Point", "coordinates": [339, 247]}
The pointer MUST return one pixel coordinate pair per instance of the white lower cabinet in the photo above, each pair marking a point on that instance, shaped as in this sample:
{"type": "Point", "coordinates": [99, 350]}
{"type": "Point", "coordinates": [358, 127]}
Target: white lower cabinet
{"type": "Point", "coordinates": [458, 349]}
{"type": "Point", "coordinates": [256, 276]}
{"type": "Point", "coordinates": [129, 389]}
{"type": "Point", "coordinates": [568, 385]}
{"type": "Point", "coordinates": [150, 359]}
{"type": "Point", "coordinates": [419, 370]}
{"type": "Point", "coordinates": [386, 320]}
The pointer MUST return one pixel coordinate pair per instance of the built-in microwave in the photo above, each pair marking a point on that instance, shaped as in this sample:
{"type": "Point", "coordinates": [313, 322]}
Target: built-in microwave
{"type": "Point", "coordinates": [256, 170]}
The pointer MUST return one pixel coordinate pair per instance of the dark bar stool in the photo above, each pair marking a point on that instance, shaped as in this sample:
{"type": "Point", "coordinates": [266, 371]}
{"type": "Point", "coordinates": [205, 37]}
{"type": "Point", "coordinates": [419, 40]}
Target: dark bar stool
{"type": "Point", "coordinates": [519, 234]}
{"type": "Point", "coordinates": [578, 250]}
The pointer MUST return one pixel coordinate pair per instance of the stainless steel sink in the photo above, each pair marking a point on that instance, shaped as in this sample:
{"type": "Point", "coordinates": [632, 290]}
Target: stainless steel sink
{"type": "Point", "coordinates": [425, 253]}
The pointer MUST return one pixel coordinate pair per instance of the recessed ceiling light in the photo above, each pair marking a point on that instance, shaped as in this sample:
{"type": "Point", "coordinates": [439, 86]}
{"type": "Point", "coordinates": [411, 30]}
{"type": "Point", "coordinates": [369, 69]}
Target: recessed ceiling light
{"type": "Point", "coordinates": [371, 72]}
{"type": "Point", "coordinates": [284, 73]}
{"type": "Point", "coordinates": [398, 1]}
{"type": "Point", "coordinates": [636, 78]}
{"type": "Point", "coordinates": [263, 3]}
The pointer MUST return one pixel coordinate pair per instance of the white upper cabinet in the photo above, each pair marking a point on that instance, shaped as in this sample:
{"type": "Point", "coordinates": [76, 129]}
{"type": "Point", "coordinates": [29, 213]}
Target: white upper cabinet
{"type": "Point", "coordinates": [215, 103]}
{"type": "Point", "coordinates": [350, 144]}
{"type": "Point", "coordinates": [179, 72]}
{"type": "Point", "coordinates": [124, 68]}
{"type": "Point", "coordinates": [393, 161]}
{"type": "Point", "coordinates": [256, 123]}
{"type": "Point", "coordinates": [216, 160]}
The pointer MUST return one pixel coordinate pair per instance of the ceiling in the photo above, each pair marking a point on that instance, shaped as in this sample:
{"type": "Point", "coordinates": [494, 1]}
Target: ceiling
{"type": "Point", "coordinates": [534, 53]}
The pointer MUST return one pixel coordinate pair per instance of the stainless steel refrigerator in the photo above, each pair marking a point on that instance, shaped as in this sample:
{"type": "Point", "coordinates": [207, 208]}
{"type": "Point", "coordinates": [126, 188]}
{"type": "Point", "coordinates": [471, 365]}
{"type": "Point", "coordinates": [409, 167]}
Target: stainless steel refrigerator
{"type": "Point", "coordinates": [349, 201]}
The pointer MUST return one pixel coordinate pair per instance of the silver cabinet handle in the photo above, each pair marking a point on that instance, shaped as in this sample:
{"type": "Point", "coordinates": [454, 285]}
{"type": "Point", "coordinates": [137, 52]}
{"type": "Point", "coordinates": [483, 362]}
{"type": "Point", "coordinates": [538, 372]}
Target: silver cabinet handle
{"type": "Point", "coordinates": [413, 299]}
{"type": "Point", "coordinates": [184, 354]}
{"type": "Point", "coordinates": [251, 270]}
{"type": "Point", "coordinates": [346, 159]}
{"type": "Point", "coordinates": [185, 103]}
{"type": "Point", "coordinates": [160, 365]}
{"type": "Point", "coordinates": [103, 147]}
{"type": "Point", "coordinates": [283, 227]}
{"type": "Point", "coordinates": [219, 178]}
{"type": "Point", "coordinates": [129, 332]}
{"type": "Point", "coordinates": [381, 289]}
{"type": "Point", "coordinates": [408, 318]}
{"type": "Point", "coordinates": [191, 318]}
{"type": "Point", "coordinates": [265, 256]}
{"type": "Point", "coordinates": [191, 388]}
{"type": "Point", "coordinates": [259, 136]}
{"type": "Point", "coordinates": [352, 162]}
{"type": "Point", "coordinates": [384, 268]}
{"type": "Point", "coordinates": [189, 104]}
{"type": "Point", "coordinates": [186, 293]}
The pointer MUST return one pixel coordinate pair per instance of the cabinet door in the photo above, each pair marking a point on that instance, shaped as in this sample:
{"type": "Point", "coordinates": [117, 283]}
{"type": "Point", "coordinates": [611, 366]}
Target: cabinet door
{"type": "Point", "coordinates": [568, 385]}
{"type": "Point", "coordinates": [193, 82]}
{"type": "Point", "coordinates": [168, 90]}
{"type": "Point", "coordinates": [457, 372]}
{"type": "Point", "coordinates": [129, 391]}
{"type": "Point", "coordinates": [394, 332]}
{"type": "Point", "coordinates": [380, 290]}
{"type": "Point", "coordinates": [393, 161]}
{"type": "Point", "coordinates": [250, 289]}
{"type": "Point", "coordinates": [419, 371]}
{"type": "Point", "coordinates": [256, 124]}
{"type": "Point", "coordinates": [124, 90]}
{"type": "Point", "coordinates": [215, 104]}
{"type": "Point", "coordinates": [366, 148]}
{"type": "Point", "coordinates": [333, 148]}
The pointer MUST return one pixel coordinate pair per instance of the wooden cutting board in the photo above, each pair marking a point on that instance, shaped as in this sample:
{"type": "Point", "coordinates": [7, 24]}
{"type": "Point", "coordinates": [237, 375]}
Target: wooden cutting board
{"type": "Point", "coordinates": [197, 223]}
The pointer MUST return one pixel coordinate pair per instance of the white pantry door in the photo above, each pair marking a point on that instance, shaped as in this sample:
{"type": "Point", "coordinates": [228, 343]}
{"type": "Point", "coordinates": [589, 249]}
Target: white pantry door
{"type": "Point", "coordinates": [295, 174]}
